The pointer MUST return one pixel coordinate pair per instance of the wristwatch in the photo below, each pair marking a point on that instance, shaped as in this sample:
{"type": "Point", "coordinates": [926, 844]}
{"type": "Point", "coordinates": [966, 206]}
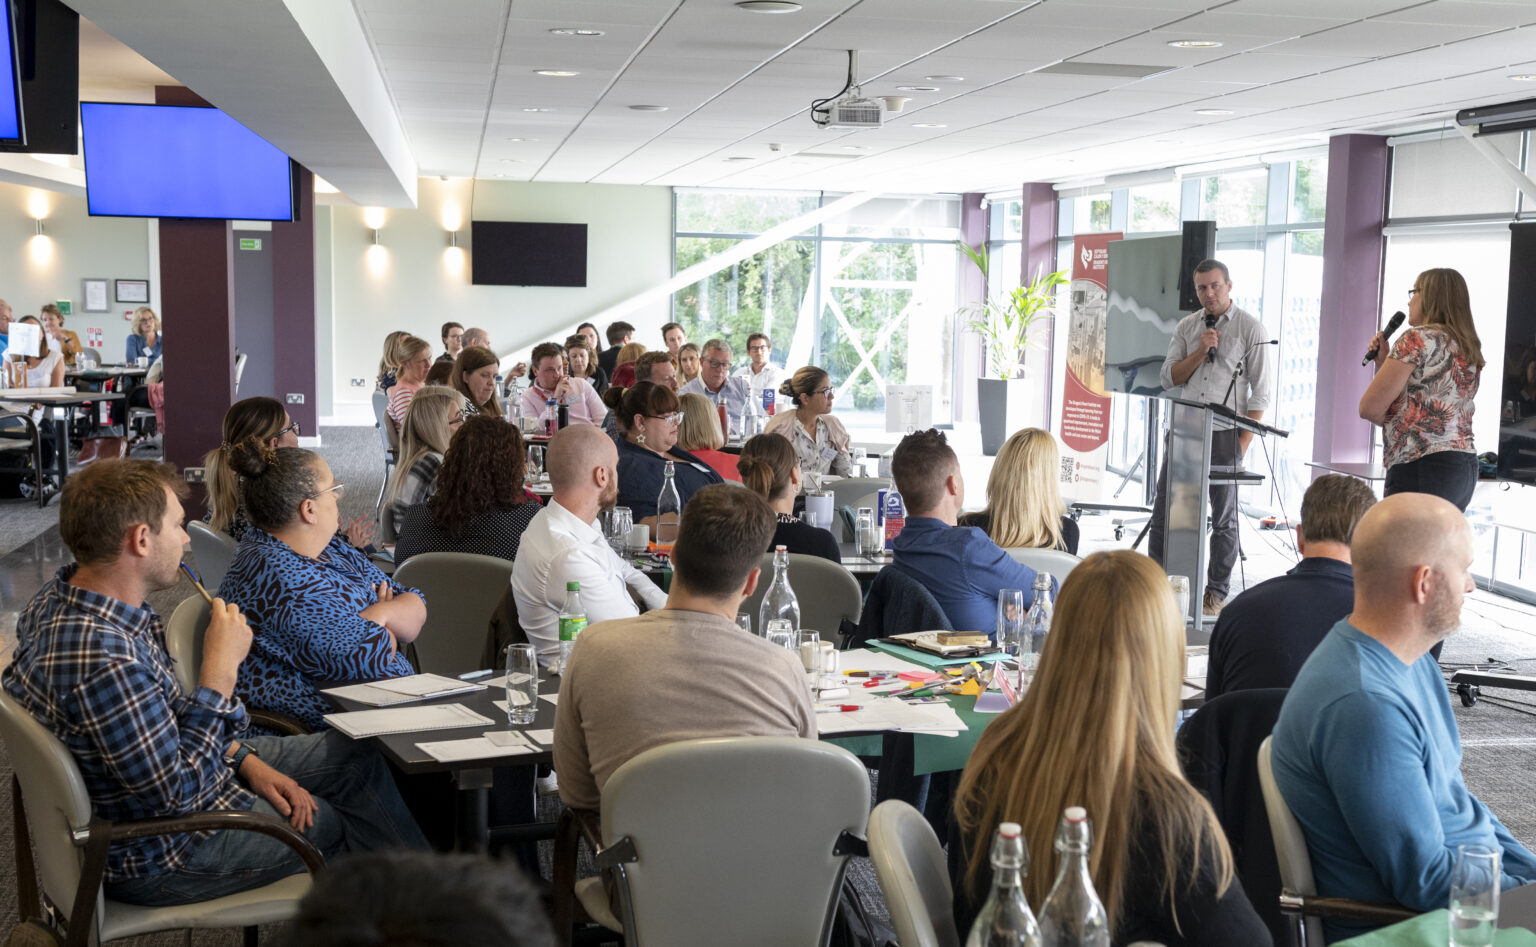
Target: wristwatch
{"type": "Point", "coordinates": [242, 750]}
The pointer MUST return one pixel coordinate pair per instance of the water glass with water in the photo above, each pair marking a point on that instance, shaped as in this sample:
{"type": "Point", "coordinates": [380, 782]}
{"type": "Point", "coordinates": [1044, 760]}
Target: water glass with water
{"type": "Point", "coordinates": [617, 523]}
{"type": "Point", "coordinates": [781, 631]}
{"type": "Point", "coordinates": [744, 622]}
{"type": "Point", "coordinates": [535, 463]}
{"type": "Point", "coordinates": [522, 685]}
{"type": "Point", "coordinates": [1180, 586]}
{"type": "Point", "coordinates": [808, 647]}
{"type": "Point", "coordinates": [1474, 896]}
{"type": "Point", "coordinates": [1010, 622]}
{"type": "Point", "coordinates": [865, 541]}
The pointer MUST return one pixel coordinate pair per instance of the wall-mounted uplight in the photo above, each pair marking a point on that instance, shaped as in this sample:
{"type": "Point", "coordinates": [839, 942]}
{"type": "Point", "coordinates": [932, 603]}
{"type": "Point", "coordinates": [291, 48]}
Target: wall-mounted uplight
{"type": "Point", "coordinates": [40, 248]}
{"type": "Point", "coordinates": [373, 219]}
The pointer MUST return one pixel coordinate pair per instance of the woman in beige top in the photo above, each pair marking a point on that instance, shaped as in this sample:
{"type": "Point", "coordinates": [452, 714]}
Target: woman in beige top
{"type": "Point", "coordinates": [819, 439]}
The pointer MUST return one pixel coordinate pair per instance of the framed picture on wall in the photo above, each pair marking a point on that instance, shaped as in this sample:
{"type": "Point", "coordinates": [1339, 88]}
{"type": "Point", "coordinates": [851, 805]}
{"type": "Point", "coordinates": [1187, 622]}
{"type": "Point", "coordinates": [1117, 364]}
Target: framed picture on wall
{"type": "Point", "coordinates": [133, 291]}
{"type": "Point", "coordinates": [93, 295]}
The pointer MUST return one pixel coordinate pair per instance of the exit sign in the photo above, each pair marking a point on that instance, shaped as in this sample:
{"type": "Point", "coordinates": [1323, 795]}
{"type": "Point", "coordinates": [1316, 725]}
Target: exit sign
{"type": "Point", "coordinates": [250, 243]}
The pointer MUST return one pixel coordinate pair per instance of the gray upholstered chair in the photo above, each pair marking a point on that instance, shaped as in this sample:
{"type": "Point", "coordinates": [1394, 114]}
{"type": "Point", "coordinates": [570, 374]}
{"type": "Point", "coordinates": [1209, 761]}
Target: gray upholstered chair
{"type": "Point", "coordinates": [184, 641]}
{"type": "Point", "coordinates": [462, 590]}
{"type": "Point", "coordinates": [827, 594]}
{"type": "Point", "coordinates": [387, 438]}
{"type": "Point", "coordinates": [213, 551]}
{"type": "Point", "coordinates": [913, 875]}
{"type": "Point", "coordinates": [70, 843]}
{"type": "Point", "coordinates": [1054, 561]}
{"type": "Point", "coordinates": [855, 492]}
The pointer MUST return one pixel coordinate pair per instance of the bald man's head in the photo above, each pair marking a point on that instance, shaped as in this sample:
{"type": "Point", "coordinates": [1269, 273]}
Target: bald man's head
{"type": "Point", "coordinates": [1398, 540]}
{"type": "Point", "coordinates": [574, 452]}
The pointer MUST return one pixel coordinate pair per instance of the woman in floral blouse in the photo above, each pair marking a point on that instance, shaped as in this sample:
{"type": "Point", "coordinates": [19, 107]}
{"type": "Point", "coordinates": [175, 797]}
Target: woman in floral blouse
{"type": "Point", "coordinates": [820, 440]}
{"type": "Point", "coordinates": [1423, 391]}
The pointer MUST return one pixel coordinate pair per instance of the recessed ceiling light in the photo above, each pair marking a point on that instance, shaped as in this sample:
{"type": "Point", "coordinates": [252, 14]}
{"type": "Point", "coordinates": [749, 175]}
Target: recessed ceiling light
{"type": "Point", "coordinates": [556, 73]}
{"type": "Point", "coordinates": [648, 108]}
{"type": "Point", "coordinates": [1524, 78]}
{"type": "Point", "coordinates": [768, 6]}
{"type": "Point", "coordinates": [1194, 43]}
{"type": "Point", "coordinates": [535, 108]}
{"type": "Point", "coordinates": [945, 78]}
{"type": "Point", "coordinates": [1213, 111]}
{"type": "Point", "coordinates": [574, 31]}
{"type": "Point", "coordinates": [917, 88]}
{"type": "Point", "coordinates": [519, 139]}
{"type": "Point", "coordinates": [928, 125]}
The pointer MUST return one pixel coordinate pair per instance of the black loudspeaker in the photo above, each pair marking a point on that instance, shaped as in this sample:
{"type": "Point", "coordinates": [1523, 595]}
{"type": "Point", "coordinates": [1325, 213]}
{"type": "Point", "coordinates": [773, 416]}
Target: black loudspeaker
{"type": "Point", "coordinates": [1199, 245]}
{"type": "Point", "coordinates": [1517, 398]}
{"type": "Point", "coordinates": [48, 45]}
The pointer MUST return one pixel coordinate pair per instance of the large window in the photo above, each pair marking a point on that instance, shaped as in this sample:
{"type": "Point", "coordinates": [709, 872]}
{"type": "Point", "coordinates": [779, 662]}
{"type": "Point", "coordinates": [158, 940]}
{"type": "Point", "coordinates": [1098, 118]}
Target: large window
{"type": "Point", "coordinates": [869, 295]}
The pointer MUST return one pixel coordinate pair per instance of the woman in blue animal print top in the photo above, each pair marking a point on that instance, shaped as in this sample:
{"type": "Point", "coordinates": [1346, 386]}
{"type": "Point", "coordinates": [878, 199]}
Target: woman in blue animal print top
{"type": "Point", "coordinates": [320, 611]}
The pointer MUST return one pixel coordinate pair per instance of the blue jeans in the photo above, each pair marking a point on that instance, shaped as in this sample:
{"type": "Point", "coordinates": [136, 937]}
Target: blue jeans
{"type": "Point", "coordinates": [358, 810]}
{"type": "Point", "coordinates": [1448, 474]}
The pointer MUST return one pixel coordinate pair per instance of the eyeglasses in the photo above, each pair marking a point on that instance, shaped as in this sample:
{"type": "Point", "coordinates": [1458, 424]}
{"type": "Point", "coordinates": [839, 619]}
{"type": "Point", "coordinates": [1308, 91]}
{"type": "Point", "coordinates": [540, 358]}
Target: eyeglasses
{"type": "Point", "coordinates": [675, 418]}
{"type": "Point", "coordinates": [757, 347]}
{"type": "Point", "coordinates": [829, 391]}
{"type": "Point", "coordinates": [717, 363]}
{"type": "Point", "coordinates": [340, 489]}
{"type": "Point", "coordinates": [294, 427]}
{"type": "Point", "coordinates": [460, 417]}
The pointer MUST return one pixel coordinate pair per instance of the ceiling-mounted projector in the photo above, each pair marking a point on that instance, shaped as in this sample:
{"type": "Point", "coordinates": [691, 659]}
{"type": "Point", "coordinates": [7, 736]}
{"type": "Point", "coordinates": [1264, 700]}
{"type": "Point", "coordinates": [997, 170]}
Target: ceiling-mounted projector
{"type": "Point", "coordinates": [1500, 119]}
{"type": "Point", "coordinates": [848, 109]}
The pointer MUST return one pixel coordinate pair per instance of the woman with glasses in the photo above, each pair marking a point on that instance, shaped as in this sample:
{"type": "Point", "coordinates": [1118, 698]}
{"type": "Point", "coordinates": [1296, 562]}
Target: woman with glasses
{"type": "Point", "coordinates": [144, 341]}
{"type": "Point", "coordinates": [1423, 392]}
{"type": "Point", "coordinates": [247, 422]}
{"type": "Point", "coordinates": [649, 414]}
{"type": "Point", "coordinates": [320, 611]}
{"type": "Point", "coordinates": [820, 440]}
{"type": "Point", "coordinates": [479, 505]}
{"type": "Point", "coordinates": [434, 415]}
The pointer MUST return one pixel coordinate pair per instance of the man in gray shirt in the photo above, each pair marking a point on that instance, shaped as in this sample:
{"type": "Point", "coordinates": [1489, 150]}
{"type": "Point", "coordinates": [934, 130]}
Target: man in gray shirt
{"type": "Point", "coordinates": [1189, 364]}
{"type": "Point", "coordinates": [716, 382]}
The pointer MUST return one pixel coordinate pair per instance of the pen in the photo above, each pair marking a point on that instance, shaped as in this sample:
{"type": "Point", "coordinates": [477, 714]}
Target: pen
{"type": "Point", "coordinates": [197, 582]}
{"type": "Point", "coordinates": [473, 675]}
{"type": "Point", "coordinates": [837, 709]}
{"type": "Point", "coordinates": [856, 674]}
{"type": "Point", "coordinates": [877, 681]}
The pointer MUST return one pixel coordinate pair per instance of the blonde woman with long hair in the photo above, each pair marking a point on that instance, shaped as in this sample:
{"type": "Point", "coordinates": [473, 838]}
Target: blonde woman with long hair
{"type": "Point", "coordinates": [389, 362]}
{"type": "Point", "coordinates": [434, 414]}
{"type": "Point", "coordinates": [1095, 729]}
{"type": "Point", "coordinates": [1422, 395]}
{"type": "Point", "coordinates": [1024, 505]}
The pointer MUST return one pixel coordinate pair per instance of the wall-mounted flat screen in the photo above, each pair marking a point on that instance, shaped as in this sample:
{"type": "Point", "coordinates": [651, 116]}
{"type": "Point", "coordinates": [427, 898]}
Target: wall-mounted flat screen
{"type": "Point", "coordinates": [1517, 404]}
{"type": "Point", "coordinates": [179, 161]}
{"type": "Point", "coordinates": [517, 253]}
{"type": "Point", "coordinates": [11, 129]}
{"type": "Point", "coordinates": [47, 49]}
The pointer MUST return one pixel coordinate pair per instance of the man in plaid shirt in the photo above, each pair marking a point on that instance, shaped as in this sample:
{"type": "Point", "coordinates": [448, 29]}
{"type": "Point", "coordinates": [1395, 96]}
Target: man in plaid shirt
{"type": "Point", "coordinates": [92, 666]}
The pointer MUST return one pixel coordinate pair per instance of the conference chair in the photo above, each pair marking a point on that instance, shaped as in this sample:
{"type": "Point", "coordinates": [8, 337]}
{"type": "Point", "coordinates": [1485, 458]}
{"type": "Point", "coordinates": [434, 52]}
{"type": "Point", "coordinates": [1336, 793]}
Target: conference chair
{"type": "Point", "coordinates": [712, 842]}
{"type": "Point", "coordinates": [914, 876]}
{"type": "Point", "coordinates": [54, 819]}
{"type": "Point", "coordinates": [240, 361]}
{"type": "Point", "coordinates": [1299, 899]}
{"type": "Point", "coordinates": [213, 550]}
{"type": "Point", "coordinates": [1054, 561]}
{"type": "Point", "coordinates": [462, 591]}
{"type": "Point", "coordinates": [21, 438]}
{"type": "Point", "coordinates": [855, 492]}
{"type": "Point", "coordinates": [387, 439]}
{"type": "Point", "coordinates": [828, 595]}
{"type": "Point", "coordinates": [184, 641]}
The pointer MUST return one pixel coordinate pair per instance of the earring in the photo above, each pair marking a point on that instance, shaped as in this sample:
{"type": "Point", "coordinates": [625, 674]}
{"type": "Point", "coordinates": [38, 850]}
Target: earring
{"type": "Point", "coordinates": [640, 438]}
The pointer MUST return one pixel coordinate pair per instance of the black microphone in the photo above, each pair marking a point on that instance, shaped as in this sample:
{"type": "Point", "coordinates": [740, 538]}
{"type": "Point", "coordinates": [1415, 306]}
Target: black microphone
{"type": "Point", "coordinates": [1210, 323]}
{"type": "Point", "coordinates": [1392, 324]}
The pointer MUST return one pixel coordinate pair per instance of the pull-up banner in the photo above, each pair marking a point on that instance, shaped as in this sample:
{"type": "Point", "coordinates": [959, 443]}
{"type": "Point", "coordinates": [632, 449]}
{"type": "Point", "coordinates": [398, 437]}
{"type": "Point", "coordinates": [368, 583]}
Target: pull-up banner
{"type": "Point", "coordinates": [1084, 404]}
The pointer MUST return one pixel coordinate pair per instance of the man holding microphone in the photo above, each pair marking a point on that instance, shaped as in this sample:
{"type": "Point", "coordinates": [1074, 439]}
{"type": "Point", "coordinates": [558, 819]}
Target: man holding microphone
{"type": "Point", "coordinates": [1205, 350]}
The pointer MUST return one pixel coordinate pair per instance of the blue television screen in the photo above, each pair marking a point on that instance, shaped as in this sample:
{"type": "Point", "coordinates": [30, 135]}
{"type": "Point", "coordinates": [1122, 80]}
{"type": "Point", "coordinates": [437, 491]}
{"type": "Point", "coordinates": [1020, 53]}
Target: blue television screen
{"type": "Point", "coordinates": [10, 76]}
{"type": "Point", "coordinates": [176, 161]}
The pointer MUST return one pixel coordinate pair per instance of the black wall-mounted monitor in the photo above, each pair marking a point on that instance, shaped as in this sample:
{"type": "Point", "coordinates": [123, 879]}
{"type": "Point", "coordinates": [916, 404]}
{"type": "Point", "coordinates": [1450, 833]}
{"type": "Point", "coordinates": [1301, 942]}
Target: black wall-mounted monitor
{"type": "Point", "coordinates": [45, 66]}
{"type": "Point", "coordinates": [181, 161]}
{"type": "Point", "coordinates": [516, 253]}
{"type": "Point", "coordinates": [12, 129]}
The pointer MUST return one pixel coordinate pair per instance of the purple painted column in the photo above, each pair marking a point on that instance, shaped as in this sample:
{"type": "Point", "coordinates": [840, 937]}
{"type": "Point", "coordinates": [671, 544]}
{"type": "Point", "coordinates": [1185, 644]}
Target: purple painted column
{"type": "Point", "coordinates": [1039, 253]}
{"type": "Point", "coordinates": [971, 357]}
{"type": "Point", "coordinates": [1353, 251]}
{"type": "Point", "coordinates": [293, 308]}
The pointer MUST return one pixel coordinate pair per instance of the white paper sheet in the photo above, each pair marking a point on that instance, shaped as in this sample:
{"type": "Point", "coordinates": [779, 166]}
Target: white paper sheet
{"type": "Point", "coordinates": [546, 737]}
{"type": "Point", "coordinates": [452, 751]}
{"type": "Point", "coordinates": [358, 724]}
{"type": "Point", "coordinates": [424, 685]}
{"type": "Point", "coordinates": [876, 660]}
{"type": "Point", "coordinates": [939, 718]}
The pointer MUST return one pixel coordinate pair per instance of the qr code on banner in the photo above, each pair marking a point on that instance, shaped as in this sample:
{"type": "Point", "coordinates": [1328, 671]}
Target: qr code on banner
{"type": "Point", "coordinates": [1069, 470]}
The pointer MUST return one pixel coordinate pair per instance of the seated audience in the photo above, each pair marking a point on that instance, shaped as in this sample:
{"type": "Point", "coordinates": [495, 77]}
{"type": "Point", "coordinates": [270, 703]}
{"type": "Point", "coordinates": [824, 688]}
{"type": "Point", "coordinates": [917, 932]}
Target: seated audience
{"type": "Point", "coordinates": [476, 337]}
{"type": "Point", "coordinates": [65, 340]}
{"type": "Point", "coordinates": [715, 381]}
{"type": "Point", "coordinates": [649, 415]}
{"type": "Point", "coordinates": [770, 469]}
{"type": "Point", "coordinates": [1266, 634]}
{"type": "Point", "coordinates": [608, 711]}
{"type": "Point", "coordinates": [623, 373]}
{"type": "Point", "coordinates": [618, 334]}
{"type": "Point", "coordinates": [760, 373]}
{"type": "Point", "coordinates": [699, 434]}
{"type": "Point", "coordinates": [46, 368]}
{"type": "Point", "coordinates": [588, 331]}
{"type": "Point", "coordinates": [389, 362]}
{"type": "Point", "coordinates": [429, 424]}
{"type": "Point", "coordinates": [320, 610]}
{"type": "Point", "coordinates": [248, 421]}
{"type": "Point", "coordinates": [819, 439]}
{"type": "Point", "coordinates": [409, 899]}
{"type": "Point", "coordinates": [1095, 729]}
{"type": "Point", "coordinates": [688, 362]}
{"type": "Point", "coordinates": [1366, 751]}
{"type": "Point", "coordinates": [563, 544]}
{"type": "Point", "coordinates": [410, 377]}
{"type": "Point", "coordinates": [479, 505]}
{"type": "Point", "coordinates": [145, 340]}
{"type": "Point", "coordinates": [581, 360]}
{"type": "Point", "coordinates": [1024, 505]}
{"type": "Point", "coordinates": [453, 341]}
{"type": "Point", "coordinates": [653, 367]}
{"type": "Point", "coordinates": [674, 337]}
{"type": "Point", "coordinates": [441, 373]}
{"type": "Point", "coordinates": [550, 382]}
{"type": "Point", "coordinates": [474, 377]}
{"type": "Point", "coordinates": [91, 665]}
{"type": "Point", "coordinates": [959, 565]}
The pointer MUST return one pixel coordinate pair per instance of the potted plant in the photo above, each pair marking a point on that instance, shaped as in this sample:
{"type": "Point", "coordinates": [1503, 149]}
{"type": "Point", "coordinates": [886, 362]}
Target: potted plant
{"type": "Point", "coordinates": [1006, 322]}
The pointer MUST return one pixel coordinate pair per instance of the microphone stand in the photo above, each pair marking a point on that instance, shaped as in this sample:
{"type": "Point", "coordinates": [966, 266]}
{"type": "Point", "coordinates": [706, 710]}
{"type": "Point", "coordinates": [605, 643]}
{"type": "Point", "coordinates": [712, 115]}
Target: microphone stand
{"type": "Point", "coordinates": [1239, 369]}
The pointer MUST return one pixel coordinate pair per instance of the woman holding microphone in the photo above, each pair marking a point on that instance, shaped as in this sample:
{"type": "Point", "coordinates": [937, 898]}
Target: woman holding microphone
{"type": "Point", "coordinates": [1423, 392]}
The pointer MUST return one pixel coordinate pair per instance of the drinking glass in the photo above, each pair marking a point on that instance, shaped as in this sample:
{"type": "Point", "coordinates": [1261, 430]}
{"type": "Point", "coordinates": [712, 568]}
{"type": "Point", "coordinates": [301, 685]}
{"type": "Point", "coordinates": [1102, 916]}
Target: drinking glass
{"type": "Point", "coordinates": [1474, 896]}
{"type": "Point", "coordinates": [781, 633]}
{"type": "Point", "coordinates": [619, 521]}
{"type": "Point", "coordinates": [864, 532]}
{"type": "Point", "coordinates": [1180, 586]}
{"type": "Point", "coordinates": [522, 685]}
{"type": "Point", "coordinates": [744, 622]}
{"type": "Point", "coordinates": [808, 647]}
{"type": "Point", "coordinates": [535, 463]}
{"type": "Point", "coordinates": [1010, 622]}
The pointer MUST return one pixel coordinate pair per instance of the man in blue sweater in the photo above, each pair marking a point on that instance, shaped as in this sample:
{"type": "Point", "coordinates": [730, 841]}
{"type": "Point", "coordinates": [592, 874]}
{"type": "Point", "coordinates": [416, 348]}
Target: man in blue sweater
{"type": "Point", "coordinates": [1366, 751]}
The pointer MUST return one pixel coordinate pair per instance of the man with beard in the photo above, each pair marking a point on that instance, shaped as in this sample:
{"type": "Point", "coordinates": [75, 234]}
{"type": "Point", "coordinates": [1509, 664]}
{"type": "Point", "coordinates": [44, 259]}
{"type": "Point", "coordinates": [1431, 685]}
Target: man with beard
{"type": "Point", "coordinates": [1366, 751]}
{"type": "Point", "coordinates": [564, 544]}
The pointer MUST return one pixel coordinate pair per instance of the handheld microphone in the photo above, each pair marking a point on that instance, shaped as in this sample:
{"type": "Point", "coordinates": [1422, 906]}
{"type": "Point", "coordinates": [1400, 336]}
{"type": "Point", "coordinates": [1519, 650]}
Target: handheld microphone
{"type": "Point", "coordinates": [1392, 324]}
{"type": "Point", "coordinates": [1210, 323]}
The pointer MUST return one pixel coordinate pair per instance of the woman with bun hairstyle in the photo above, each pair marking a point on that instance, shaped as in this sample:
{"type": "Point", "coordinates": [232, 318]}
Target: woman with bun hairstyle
{"type": "Point", "coordinates": [820, 440]}
{"type": "Point", "coordinates": [247, 422]}
{"type": "Point", "coordinates": [770, 469]}
{"type": "Point", "coordinates": [649, 415]}
{"type": "Point", "coordinates": [320, 611]}
{"type": "Point", "coordinates": [474, 377]}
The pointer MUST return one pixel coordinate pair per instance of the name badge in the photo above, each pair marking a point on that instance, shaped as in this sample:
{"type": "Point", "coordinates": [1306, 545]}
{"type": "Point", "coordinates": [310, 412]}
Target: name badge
{"type": "Point", "coordinates": [829, 454]}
